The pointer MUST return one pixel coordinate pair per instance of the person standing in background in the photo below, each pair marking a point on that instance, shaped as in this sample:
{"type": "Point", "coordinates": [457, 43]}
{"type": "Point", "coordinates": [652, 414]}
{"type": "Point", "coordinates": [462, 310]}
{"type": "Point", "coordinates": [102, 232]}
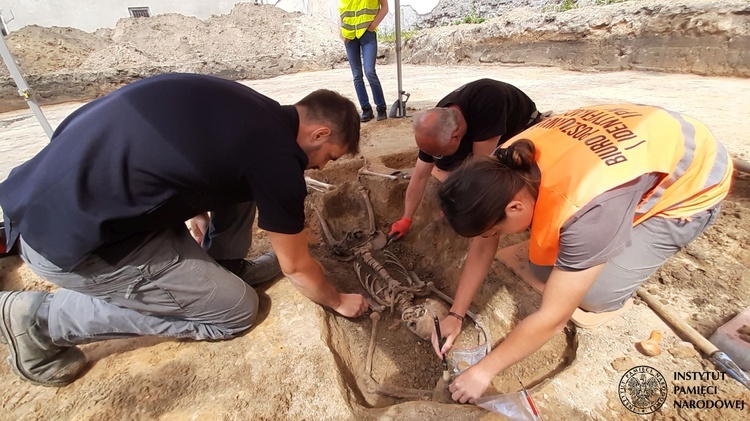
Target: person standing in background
{"type": "Point", "coordinates": [358, 20]}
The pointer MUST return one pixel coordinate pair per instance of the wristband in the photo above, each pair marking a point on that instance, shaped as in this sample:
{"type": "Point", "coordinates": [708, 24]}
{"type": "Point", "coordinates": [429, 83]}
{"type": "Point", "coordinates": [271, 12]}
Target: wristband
{"type": "Point", "coordinates": [456, 315]}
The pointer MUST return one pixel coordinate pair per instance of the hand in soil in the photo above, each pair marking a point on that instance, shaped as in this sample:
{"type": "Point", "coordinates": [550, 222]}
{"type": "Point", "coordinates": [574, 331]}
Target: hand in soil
{"type": "Point", "coordinates": [400, 228]}
{"type": "Point", "coordinates": [351, 305]}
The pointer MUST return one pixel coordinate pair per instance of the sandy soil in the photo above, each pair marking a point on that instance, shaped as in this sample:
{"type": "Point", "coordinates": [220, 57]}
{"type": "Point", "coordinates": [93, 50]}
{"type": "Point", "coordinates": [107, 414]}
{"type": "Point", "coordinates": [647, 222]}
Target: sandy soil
{"type": "Point", "coordinates": [303, 362]}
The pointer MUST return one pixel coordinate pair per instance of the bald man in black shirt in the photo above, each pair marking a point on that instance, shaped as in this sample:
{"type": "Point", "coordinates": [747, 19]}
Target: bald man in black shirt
{"type": "Point", "coordinates": [100, 212]}
{"type": "Point", "coordinates": [474, 119]}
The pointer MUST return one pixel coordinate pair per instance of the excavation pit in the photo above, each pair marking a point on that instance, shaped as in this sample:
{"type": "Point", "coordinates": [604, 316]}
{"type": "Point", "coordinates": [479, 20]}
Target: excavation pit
{"type": "Point", "coordinates": [403, 367]}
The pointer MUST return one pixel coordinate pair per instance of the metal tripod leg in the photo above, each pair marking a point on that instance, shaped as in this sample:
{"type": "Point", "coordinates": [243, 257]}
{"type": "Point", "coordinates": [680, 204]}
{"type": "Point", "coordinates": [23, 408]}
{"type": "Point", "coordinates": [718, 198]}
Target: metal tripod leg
{"type": "Point", "coordinates": [23, 89]}
{"type": "Point", "coordinates": [398, 109]}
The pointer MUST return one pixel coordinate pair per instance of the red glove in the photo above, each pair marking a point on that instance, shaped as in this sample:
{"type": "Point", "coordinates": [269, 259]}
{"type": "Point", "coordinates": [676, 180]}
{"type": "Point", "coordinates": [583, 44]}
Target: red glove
{"type": "Point", "coordinates": [400, 228]}
{"type": "Point", "coordinates": [2, 240]}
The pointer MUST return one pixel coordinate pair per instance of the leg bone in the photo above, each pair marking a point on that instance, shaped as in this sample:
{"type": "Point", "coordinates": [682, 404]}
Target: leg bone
{"type": "Point", "coordinates": [326, 231]}
{"type": "Point", "coordinates": [370, 213]}
{"type": "Point", "coordinates": [319, 184]}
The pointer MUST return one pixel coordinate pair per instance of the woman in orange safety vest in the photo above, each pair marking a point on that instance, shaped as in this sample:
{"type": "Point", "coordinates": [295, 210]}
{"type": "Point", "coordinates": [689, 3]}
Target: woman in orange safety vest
{"type": "Point", "coordinates": [610, 193]}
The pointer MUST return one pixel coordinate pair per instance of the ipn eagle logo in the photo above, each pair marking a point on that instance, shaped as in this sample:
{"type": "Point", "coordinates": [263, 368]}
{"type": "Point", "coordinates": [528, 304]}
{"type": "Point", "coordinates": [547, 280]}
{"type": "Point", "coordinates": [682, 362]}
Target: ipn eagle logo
{"type": "Point", "coordinates": [642, 390]}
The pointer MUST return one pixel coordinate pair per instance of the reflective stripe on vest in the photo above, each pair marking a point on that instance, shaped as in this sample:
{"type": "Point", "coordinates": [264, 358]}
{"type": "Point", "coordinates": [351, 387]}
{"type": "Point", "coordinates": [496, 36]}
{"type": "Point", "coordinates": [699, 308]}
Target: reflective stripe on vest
{"type": "Point", "coordinates": [356, 16]}
{"type": "Point", "coordinates": [585, 152]}
{"type": "Point", "coordinates": [719, 174]}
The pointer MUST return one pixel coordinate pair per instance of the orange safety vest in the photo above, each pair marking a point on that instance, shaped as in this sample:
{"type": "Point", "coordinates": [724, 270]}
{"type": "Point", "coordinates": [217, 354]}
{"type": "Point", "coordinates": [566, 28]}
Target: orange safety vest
{"type": "Point", "coordinates": [356, 16]}
{"type": "Point", "coordinates": [588, 151]}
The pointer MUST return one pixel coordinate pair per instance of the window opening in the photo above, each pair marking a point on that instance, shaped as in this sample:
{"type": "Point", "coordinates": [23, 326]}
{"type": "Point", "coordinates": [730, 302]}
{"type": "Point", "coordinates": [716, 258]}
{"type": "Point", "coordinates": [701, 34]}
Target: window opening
{"type": "Point", "coordinates": [139, 12]}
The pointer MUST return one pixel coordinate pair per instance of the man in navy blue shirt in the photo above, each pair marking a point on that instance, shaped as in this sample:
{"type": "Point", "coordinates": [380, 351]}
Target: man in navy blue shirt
{"type": "Point", "coordinates": [100, 212]}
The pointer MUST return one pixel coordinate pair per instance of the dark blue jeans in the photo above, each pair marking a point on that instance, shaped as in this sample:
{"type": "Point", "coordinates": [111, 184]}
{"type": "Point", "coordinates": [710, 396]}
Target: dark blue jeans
{"type": "Point", "coordinates": [365, 50]}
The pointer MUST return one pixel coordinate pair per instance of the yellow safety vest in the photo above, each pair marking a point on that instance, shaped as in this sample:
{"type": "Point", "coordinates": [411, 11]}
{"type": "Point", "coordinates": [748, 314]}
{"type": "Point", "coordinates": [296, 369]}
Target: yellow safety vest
{"type": "Point", "coordinates": [356, 16]}
{"type": "Point", "coordinates": [588, 151]}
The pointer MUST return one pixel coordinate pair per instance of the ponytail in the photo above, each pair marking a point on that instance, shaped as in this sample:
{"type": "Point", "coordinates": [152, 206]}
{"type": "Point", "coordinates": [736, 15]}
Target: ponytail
{"type": "Point", "coordinates": [519, 156]}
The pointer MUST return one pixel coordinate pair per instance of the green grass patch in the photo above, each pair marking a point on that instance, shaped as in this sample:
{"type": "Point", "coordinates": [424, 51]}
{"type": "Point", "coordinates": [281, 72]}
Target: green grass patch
{"type": "Point", "coordinates": [469, 19]}
{"type": "Point", "coordinates": [563, 6]}
{"type": "Point", "coordinates": [405, 35]}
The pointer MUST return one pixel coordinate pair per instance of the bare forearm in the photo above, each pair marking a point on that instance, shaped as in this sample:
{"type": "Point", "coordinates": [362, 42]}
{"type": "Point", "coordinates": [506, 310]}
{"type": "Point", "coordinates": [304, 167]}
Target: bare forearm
{"type": "Point", "coordinates": [309, 279]}
{"type": "Point", "coordinates": [307, 275]}
{"type": "Point", "coordinates": [414, 194]}
{"type": "Point", "coordinates": [477, 265]}
{"type": "Point", "coordinates": [562, 294]}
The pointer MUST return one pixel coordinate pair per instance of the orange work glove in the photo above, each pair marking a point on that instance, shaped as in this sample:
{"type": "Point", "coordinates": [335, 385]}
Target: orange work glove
{"type": "Point", "coordinates": [400, 228]}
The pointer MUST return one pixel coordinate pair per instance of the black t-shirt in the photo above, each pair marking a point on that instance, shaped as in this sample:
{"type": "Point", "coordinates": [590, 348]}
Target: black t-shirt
{"type": "Point", "coordinates": [154, 154]}
{"type": "Point", "coordinates": [491, 108]}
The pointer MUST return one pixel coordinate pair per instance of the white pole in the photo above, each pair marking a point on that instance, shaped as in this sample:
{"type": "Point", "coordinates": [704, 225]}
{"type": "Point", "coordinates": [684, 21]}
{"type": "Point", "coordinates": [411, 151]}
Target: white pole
{"type": "Point", "coordinates": [23, 89]}
{"type": "Point", "coordinates": [399, 107]}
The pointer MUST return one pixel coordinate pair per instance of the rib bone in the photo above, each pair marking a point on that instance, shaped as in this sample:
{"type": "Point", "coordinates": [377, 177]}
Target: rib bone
{"type": "Point", "coordinates": [383, 289]}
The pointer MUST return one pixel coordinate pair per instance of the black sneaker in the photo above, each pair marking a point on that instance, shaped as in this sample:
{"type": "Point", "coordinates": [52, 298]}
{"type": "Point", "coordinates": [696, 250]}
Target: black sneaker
{"type": "Point", "coordinates": [253, 272]}
{"type": "Point", "coordinates": [382, 114]}
{"type": "Point", "coordinates": [366, 115]}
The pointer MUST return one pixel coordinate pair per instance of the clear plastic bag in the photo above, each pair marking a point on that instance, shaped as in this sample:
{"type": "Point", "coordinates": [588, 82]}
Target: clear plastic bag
{"type": "Point", "coordinates": [463, 358]}
{"type": "Point", "coordinates": [512, 405]}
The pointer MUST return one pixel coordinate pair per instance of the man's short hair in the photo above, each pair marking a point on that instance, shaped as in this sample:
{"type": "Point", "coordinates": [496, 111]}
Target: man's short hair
{"type": "Point", "coordinates": [338, 112]}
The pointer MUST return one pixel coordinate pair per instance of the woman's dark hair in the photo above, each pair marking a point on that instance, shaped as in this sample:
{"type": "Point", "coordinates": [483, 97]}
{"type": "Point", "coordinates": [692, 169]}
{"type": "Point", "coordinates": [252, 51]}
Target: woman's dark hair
{"type": "Point", "coordinates": [475, 195]}
{"type": "Point", "coordinates": [339, 112]}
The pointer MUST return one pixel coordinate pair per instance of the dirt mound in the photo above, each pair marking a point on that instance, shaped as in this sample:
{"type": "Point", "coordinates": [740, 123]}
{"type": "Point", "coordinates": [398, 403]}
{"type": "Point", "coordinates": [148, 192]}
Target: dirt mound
{"type": "Point", "coordinates": [705, 37]}
{"type": "Point", "coordinates": [250, 33]}
{"type": "Point", "coordinates": [47, 50]}
{"type": "Point", "coordinates": [708, 37]}
{"type": "Point", "coordinates": [251, 42]}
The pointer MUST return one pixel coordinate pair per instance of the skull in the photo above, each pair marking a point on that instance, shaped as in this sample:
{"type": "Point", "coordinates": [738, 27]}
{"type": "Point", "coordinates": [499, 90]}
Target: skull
{"type": "Point", "coordinates": [419, 319]}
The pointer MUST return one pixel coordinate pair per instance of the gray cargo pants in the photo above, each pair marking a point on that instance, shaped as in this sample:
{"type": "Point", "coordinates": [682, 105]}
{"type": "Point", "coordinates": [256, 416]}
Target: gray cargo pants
{"type": "Point", "coordinates": [168, 286]}
{"type": "Point", "coordinates": [653, 242]}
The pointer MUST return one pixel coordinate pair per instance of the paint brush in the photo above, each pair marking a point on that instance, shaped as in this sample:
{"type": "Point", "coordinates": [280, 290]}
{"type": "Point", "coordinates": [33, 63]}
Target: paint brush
{"type": "Point", "coordinates": [441, 342]}
{"type": "Point", "coordinates": [525, 394]}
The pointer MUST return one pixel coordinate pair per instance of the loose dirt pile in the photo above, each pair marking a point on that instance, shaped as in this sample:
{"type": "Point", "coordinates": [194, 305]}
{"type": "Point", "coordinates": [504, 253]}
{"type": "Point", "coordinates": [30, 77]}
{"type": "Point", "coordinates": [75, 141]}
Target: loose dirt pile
{"type": "Point", "coordinates": [251, 42]}
{"type": "Point", "coordinates": [708, 37]}
{"type": "Point", "coordinates": [696, 36]}
{"type": "Point", "coordinates": [252, 36]}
